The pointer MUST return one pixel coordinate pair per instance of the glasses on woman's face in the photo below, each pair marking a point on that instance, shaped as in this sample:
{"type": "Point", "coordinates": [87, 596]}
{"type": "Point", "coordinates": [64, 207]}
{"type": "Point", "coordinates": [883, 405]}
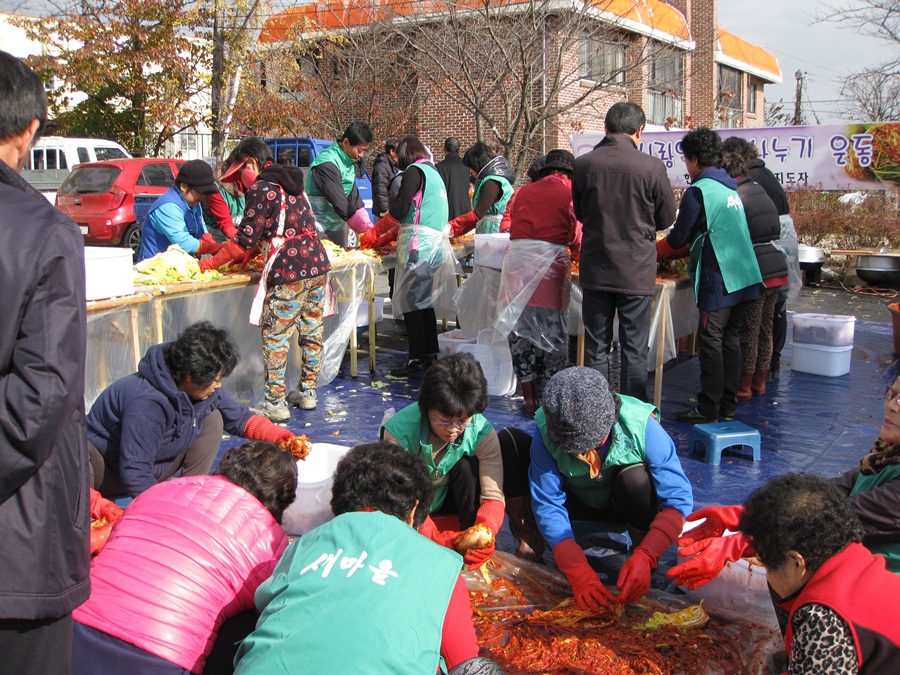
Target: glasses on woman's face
{"type": "Point", "coordinates": [891, 394]}
{"type": "Point", "coordinates": [454, 425]}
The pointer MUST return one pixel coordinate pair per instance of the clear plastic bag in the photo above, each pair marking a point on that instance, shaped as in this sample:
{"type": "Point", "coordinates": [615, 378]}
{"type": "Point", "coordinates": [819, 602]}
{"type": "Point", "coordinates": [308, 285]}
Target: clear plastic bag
{"type": "Point", "coordinates": [426, 272]}
{"type": "Point", "coordinates": [787, 244]}
{"type": "Point", "coordinates": [534, 293]}
{"type": "Point", "coordinates": [476, 301]}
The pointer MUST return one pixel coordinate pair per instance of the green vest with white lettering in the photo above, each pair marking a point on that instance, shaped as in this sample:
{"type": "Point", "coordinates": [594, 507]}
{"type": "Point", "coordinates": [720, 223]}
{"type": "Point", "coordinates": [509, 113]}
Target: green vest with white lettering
{"type": "Point", "coordinates": [411, 428]}
{"type": "Point", "coordinates": [324, 212]}
{"type": "Point", "coordinates": [629, 435]}
{"type": "Point", "coordinates": [889, 549]}
{"type": "Point", "coordinates": [729, 235]}
{"type": "Point", "coordinates": [363, 593]}
{"type": "Point", "coordinates": [491, 221]}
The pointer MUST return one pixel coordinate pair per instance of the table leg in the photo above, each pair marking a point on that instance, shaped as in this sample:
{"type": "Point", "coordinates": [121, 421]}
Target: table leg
{"type": "Point", "coordinates": [660, 345]}
{"type": "Point", "coordinates": [370, 296]}
{"type": "Point", "coordinates": [135, 338]}
{"type": "Point", "coordinates": [354, 365]}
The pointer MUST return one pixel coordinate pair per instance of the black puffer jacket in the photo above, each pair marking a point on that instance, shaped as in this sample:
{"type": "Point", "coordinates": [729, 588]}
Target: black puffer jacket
{"type": "Point", "coordinates": [499, 166]}
{"type": "Point", "coordinates": [758, 171]}
{"type": "Point", "coordinates": [765, 227]}
{"type": "Point", "coordinates": [383, 170]}
{"type": "Point", "coordinates": [44, 507]}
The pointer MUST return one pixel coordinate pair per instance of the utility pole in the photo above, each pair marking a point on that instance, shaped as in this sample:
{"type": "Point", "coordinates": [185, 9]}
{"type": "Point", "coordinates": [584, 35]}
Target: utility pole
{"type": "Point", "coordinates": [798, 100]}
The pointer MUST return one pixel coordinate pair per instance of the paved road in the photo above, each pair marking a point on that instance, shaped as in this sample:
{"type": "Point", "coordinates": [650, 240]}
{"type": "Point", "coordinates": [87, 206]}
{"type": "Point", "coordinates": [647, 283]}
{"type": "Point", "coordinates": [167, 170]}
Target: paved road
{"type": "Point", "coordinates": [833, 299]}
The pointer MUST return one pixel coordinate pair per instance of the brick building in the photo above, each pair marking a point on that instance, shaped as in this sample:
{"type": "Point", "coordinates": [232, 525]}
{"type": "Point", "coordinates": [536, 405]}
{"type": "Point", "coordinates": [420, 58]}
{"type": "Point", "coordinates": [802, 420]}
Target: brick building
{"type": "Point", "coordinates": [671, 58]}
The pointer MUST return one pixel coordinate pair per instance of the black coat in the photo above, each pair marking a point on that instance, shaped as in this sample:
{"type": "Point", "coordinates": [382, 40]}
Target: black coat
{"type": "Point", "coordinates": [622, 197]}
{"type": "Point", "coordinates": [44, 470]}
{"type": "Point", "coordinates": [765, 227]}
{"type": "Point", "coordinates": [456, 179]}
{"type": "Point", "coordinates": [758, 171]}
{"type": "Point", "coordinates": [383, 170]}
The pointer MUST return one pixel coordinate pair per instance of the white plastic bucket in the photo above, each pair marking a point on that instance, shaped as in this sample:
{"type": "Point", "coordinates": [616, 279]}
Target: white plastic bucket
{"type": "Point", "coordinates": [493, 354]}
{"type": "Point", "coordinates": [315, 474]}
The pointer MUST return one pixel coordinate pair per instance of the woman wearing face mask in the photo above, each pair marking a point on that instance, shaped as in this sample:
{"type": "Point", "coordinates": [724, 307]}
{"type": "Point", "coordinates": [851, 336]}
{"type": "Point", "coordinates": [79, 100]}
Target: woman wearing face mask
{"type": "Point", "coordinates": [292, 288]}
{"type": "Point", "coordinates": [331, 186]}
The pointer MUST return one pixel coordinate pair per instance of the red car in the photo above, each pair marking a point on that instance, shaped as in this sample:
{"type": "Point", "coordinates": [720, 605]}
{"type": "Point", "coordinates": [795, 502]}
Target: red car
{"type": "Point", "coordinates": [101, 196]}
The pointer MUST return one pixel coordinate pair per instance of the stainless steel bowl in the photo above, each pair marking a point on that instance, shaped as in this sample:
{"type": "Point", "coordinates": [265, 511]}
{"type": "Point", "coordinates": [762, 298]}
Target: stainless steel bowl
{"type": "Point", "coordinates": [810, 254]}
{"type": "Point", "coordinates": [879, 270]}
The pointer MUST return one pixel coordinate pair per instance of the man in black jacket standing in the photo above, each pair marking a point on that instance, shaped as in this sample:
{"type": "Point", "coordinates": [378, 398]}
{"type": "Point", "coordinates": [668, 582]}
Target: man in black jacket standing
{"type": "Point", "coordinates": [622, 198]}
{"type": "Point", "coordinates": [44, 505]}
{"type": "Point", "coordinates": [456, 179]}
{"type": "Point", "coordinates": [384, 169]}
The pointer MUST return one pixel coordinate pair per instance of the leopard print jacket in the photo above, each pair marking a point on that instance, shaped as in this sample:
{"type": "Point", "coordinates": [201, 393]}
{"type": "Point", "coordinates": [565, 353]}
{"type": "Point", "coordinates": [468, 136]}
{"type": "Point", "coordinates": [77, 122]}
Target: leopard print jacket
{"type": "Point", "coordinates": [822, 643]}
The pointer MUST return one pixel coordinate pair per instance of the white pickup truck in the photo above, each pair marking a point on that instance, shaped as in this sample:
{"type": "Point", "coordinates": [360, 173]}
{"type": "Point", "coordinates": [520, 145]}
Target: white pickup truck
{"type": "Point", "coordinates": [52, 157]}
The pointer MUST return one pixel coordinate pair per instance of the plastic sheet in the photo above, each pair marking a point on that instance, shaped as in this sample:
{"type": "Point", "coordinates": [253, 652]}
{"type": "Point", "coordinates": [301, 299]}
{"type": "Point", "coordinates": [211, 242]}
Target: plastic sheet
{"type": "Point", "coordinates": [788, 245]}
{"type": "Point", "coordinates": [535, 287]}
{"type": "Point", "coordinates": [476, 301]}
{"type": "Point", "coordinates": [426, 271]}
{"type": "Point", "coordinates": [741, 646]}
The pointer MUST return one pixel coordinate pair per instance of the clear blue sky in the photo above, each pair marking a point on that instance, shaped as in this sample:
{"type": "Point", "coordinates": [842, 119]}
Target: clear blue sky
{"type": "Point", "coordinates": [825, 52]}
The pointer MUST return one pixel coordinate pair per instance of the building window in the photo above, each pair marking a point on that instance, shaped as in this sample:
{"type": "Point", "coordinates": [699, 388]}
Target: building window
{"type": "Point", "coordinates": [188, 141]}
{"type": "Point", "coordinates": [600, 60]}
{"type": "Point", "coordinates": [752, 91]}
{"type": "Point", "coordinates": [665, 85]}
{"type": "Point", "coordinates": [730, 87]}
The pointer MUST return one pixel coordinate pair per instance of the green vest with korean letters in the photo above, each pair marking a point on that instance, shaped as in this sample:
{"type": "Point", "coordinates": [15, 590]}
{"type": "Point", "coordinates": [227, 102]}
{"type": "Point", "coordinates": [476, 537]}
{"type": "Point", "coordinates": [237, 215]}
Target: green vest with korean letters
{"type": "Point", "coordinates": [889, 549]}
{"type": "Point", "coordinates": [363, 593]}
{"type": "Point", "coordinates": [491, 221]}
{"type": "Point", "coordinates": [324, 212]}
{"type": "Point", "coordinates": [411, 429]}
{"type": "Point", "coordinates": [627, 447]}
{"type": "Point", "coordinates": [729, 236]}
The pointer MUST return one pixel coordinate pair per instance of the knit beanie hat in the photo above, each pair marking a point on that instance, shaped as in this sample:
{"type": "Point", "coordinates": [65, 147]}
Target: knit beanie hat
{"type": "Point", "coordinates": [579, 409]}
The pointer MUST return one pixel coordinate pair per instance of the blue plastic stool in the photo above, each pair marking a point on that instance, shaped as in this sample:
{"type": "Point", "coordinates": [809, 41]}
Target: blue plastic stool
{"type": "Point", "coordinates": [718, 436]}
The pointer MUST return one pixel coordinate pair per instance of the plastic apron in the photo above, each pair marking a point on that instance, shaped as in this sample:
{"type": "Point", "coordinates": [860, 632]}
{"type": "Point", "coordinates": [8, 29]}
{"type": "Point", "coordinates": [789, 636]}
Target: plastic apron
{"type": "Point", "coordinates": [535, 287]}
{"type": "Point", "coordinates": [427, 271]}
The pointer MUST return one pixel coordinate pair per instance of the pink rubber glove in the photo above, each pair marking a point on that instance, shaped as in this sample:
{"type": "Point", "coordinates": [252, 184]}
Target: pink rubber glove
{"type": "Point", "coordinates": [710, 556]}
{"type": "Point", "coordinates": [359, 222]}
{"type": "Point", "coordinates": [590, 594]}
{"type": "Point", "coordinates": [718, 519]}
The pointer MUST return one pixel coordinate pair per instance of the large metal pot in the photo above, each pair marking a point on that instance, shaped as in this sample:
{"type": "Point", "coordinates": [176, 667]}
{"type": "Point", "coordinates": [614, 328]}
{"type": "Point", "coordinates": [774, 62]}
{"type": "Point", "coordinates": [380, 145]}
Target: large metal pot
{"type": "Point", "coordinates": [879, 270]}
{"type": "Point", "coordinates": [810, 254]}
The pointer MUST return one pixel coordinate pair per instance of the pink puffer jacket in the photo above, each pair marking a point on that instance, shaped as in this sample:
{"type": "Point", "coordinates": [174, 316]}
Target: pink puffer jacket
{"type": "Point", "coordinates": [186, 555]}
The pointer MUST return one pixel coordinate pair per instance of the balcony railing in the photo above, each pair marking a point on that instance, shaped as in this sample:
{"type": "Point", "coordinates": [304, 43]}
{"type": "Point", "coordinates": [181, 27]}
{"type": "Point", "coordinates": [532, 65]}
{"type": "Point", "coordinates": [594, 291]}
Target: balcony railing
{"type": "Point", "coordinates": [662, 106]}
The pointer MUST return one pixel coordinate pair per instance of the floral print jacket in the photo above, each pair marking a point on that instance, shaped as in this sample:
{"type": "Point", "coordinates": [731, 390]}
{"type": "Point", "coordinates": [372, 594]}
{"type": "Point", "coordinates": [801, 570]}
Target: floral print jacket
{"type": "Point", "coordinates": [302, 256]}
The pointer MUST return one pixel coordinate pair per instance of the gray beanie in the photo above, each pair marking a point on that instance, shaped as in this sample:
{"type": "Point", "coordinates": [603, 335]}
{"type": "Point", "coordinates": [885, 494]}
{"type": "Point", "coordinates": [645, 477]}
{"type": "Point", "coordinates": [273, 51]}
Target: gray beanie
{"type": "Point", "coordinates": [579, 409]}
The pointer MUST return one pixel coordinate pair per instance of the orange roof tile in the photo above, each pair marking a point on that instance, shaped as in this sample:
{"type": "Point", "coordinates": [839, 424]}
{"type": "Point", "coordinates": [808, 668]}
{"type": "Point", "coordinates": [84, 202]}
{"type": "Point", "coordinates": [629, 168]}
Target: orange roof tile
{"type": "Point", "coordinates": [652, 14]}
{"type": "Point", "coordinates": [758, 61]}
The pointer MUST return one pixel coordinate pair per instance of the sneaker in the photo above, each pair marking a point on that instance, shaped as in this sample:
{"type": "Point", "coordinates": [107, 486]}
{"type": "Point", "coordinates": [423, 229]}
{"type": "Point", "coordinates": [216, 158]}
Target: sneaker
{"type": "Point", "coordinates": [693, 416]}
{"type": "Point", "coordinates": [304, 399]}
{"type": "Point", "coordinates": [277, 412]}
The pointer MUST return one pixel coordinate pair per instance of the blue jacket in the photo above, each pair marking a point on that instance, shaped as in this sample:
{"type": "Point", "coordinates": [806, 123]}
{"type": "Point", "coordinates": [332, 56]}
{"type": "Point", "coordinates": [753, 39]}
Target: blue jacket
{"type": "Point", "coordinates": [691, 221]}
{"type": "Point", "coordinates": [672, 487]}
{"type": "Point", "coordinates": [171, 221]}
{"type": "Point", "coordinates": [144, 421]}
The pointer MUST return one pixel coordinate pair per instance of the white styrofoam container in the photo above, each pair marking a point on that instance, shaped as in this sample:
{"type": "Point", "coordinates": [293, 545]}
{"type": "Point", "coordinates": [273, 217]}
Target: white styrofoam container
{"type": "Point", "coordinates": [312, 506]}
{"type": "Point", "coordinates": [490, 249]}
{"type": "Point", "coordinates": [108, 272]}
{"type": "Point", "coordinates": [362, 314]}
{"type": "Point", "coordinates": [832, 330]}
{"type": "Point", "coordinates": [452, 340]}
{"type": "Point", "coordinates": [821, 359]}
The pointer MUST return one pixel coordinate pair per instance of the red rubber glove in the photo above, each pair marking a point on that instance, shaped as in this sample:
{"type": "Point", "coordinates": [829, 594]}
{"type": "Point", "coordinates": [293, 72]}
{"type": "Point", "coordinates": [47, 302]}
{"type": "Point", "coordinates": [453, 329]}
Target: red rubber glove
{"type": "Point", "coordinates": [208, 245]}
{"type": "Point", "coordinates": [462, 224]}
{"type": "Point", "coordinates": [590, 593]}
{"type": "Point", "coordinates": [372, 238]}
{"type": "Point", "coordinates": [718, 519]}
{"type": "Point", "coordinates": [228, 253]}
{"type": "Point", "coordinates": [490, 513]}
{"type": "Point", "coordinates": [634, 578]}
{"type": "Point", "coordinates": [665, 250]}
{"type": "Point", "coordinates": [259, 428]}
{"type": "Point", "coordinates": [102, 508]}
{"type": "Point", "coordinates": [710, 556]}
{"type": "Point", "coordinates": [442, 537]}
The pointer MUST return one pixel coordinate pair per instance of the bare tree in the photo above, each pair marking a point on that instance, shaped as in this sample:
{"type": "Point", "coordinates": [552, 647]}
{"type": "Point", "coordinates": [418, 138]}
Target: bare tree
{"type": "Point", "coordinates": [518, 69]}
{"type": "Point", "coordinates": [872, 96]}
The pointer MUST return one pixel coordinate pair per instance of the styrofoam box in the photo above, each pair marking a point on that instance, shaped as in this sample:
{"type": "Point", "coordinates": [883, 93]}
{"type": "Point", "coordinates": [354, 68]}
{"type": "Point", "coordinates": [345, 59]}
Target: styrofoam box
{"type": "Point", "coordinates": [821, 359]}
{"type": "Point", "coordinates": [108, 272]}
{"type": "Point", "coordinates": [832, 330]}
{"type": "Point", "coordinates": [490, 249]}
{"type": "Point", "coordinates": [452, 340]}
{"type": "Point", "coordinates": [362, 314]}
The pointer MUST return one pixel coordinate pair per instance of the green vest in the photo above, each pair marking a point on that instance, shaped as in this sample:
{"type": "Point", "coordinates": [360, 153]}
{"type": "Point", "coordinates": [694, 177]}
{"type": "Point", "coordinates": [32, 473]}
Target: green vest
{"type": "Point", "coordinates": [729, 235]}
{"type": "Point", "coordinates": [890, 550]}
{"type": "Point", "coordinates": [628, 436]}
{"type": "Point", "coordinates": [432, 212]}
{"type": "Point", "coordinates": [324, 212]}
{"type": "Point", "coordinates": [411, 428]}
{"type": "Point", "coordinates": [363, 593]}
{"type": "Point", "coordinates": [491, 221]}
